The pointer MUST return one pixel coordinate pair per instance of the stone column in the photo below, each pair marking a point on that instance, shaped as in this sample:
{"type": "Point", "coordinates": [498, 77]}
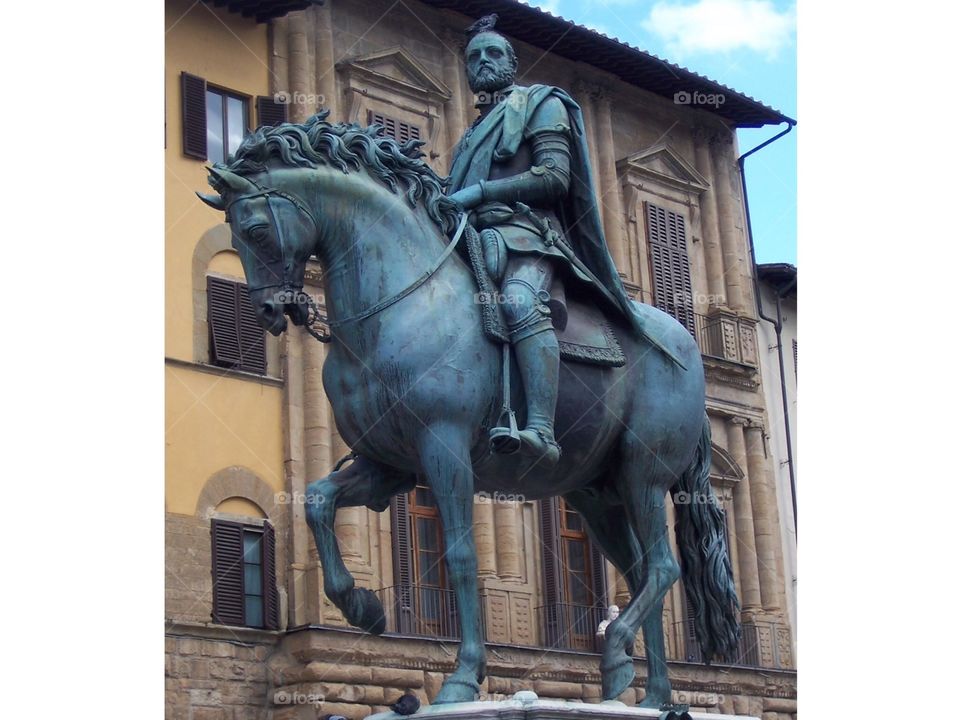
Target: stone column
{"type": "Point", "coordinates": [483, 538]}
{"type": "Point", "coordinates": [454, 110]}
{"type": "Point", "coordinates": [299, 63]}
{"type": "Point", "coordinates": [584, 94]}
{"type": "Point", "coordinates": [611, 210]}
{"type": "Point", "coordinates": [712, 251]}
{"type": "Point", "coordinates": [316, 412]}
{"type": "Point", "coordinates": [750, 599]}
{"type": "Point", "coordinates": [731, 515]}
{"type": "Point", "coordinates": [508, 541]}
{"type": "Point", "coordinates": [730, 236]}
{"type": "Point", "coordinates": [766, 522]}
{"type": "Point", "coordinates": [326, 74]}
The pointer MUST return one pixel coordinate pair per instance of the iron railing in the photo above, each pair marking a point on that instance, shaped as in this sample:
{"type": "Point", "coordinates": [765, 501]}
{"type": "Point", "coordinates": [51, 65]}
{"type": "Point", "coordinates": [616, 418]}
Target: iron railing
{"type": "Point", "coordinates": [765, 645]}
{"type": "Point", "coordinates": [726, 337]}
{"type": "Point", "coordinates": [570, 627]}
{"type": "Point", "coordinates": [432, 612]}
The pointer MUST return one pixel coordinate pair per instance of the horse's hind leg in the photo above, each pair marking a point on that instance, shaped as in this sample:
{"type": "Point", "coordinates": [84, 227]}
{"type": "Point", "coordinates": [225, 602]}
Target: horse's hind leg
{"type": "Point", "coordinates": [645, 510]}
{"type": "Point", "coordinates": [363, 482]}
{"type": "Point", "coordinates": [611, 529]}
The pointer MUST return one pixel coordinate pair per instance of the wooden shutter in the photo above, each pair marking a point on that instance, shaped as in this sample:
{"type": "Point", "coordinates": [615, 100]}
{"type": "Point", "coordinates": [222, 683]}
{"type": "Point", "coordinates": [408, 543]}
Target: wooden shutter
{"type": "Point", "coordinates": [236, 338]}
{"type": "Point", "coordinates": [399, 131]}
{"type": "Point", "coordinates": [271, 599]}
{"type": "Point", "coordinates": [193, 97]}
{"type": "Point", "coordinates": [402, 564]}
{"type": "Point", "coordinates": [552, 570]}
{"type": "Point", "coordinates": [599, 576]}
{"type": "Point", "coordinates": [670, 264]}
{"type": "Point", "coordinates": [269, 112]}
{"type": "Point", "coordinates": [227, 572]}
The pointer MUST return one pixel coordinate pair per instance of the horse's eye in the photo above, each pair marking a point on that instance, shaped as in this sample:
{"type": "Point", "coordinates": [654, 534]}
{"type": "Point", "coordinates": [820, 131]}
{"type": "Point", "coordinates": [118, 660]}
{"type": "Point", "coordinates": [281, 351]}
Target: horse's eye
{"type": "Point", "coordinates": [258, 233]}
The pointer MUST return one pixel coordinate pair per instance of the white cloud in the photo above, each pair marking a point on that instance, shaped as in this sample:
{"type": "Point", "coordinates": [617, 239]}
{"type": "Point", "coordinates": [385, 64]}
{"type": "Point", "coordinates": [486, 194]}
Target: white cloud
{"type": "Point", "coordinates": [721, 26]}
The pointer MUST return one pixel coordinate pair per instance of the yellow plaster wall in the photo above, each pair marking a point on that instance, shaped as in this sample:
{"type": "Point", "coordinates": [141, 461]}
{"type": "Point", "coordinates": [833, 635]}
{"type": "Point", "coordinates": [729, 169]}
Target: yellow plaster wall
{"type": "Point", "coordinates": [213, 422]}
{"type": "Point", "coordinates": [227, 50]}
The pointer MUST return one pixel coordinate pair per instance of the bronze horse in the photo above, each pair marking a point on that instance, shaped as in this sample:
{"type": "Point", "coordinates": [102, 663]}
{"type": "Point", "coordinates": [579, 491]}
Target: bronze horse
{"type": "Point", "coordinates": [415, 385]}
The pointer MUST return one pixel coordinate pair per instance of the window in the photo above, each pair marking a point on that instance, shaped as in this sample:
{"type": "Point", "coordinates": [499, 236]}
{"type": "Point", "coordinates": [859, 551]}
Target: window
{"type": "Point", "coordinates": [236, 338]}
{"type": "Point", "coordinates": [574, 579]}
{"type": "Point", "coordinates": [216, 120]}
{"type": "Point", "coordinates": [424, 602]}
{"type": "Point", "coordinates": [670, 264]}
{"type": "Point", "coordinates": [244, 575]}
{"type": "Point", "coordinates": [226, 124]}
{"type": "Point", "coordinates": [399, 131]}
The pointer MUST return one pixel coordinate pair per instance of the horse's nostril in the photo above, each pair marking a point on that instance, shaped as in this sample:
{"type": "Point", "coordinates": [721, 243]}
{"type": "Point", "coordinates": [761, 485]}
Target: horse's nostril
{"type": "Point", "coordinates": [267, 308]}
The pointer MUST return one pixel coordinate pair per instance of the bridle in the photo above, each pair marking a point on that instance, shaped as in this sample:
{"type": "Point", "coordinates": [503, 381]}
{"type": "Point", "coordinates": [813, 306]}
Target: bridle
{"type": "Point", "coordinates": [294, 291]}
{"type": "Point", "coordinates": [287, 287]}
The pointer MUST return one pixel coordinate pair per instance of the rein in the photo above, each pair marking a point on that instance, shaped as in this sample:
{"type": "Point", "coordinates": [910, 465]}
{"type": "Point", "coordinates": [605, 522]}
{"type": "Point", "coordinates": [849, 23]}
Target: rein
{"type": "Point", "coordinates": [314, 315]}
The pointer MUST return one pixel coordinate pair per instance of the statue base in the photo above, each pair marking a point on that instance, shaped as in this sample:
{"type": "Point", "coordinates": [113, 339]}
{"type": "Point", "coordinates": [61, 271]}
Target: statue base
{"type": "Point", "coordinates": [525, 705]}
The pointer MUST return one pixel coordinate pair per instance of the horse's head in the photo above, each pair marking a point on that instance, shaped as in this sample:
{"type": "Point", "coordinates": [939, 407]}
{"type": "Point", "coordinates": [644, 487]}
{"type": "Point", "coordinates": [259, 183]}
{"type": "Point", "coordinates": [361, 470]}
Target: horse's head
{"type": "Point", "coordinates": [274, 232]}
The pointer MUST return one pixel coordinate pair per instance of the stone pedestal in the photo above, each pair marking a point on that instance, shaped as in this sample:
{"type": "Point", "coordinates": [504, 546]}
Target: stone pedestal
{"type": "Point", "coordinates": [525, 705]}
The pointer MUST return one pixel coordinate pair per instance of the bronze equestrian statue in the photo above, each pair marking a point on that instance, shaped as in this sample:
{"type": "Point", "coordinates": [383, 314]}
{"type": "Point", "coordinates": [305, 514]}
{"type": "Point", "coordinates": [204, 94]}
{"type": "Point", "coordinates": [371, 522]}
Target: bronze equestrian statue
{"type": "Point", "coordinates": [415, 372]}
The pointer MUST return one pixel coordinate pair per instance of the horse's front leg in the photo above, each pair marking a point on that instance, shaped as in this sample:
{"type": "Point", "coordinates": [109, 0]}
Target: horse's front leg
{"type": "Point", "coordinates": [445, 459]}
{"type": "Point", "coordinates": [363, 482]}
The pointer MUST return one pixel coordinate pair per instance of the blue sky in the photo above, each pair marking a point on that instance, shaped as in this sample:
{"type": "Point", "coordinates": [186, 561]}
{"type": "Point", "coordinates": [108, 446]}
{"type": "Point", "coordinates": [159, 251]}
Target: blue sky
{"type": "Point", "coordinates": [747, 45]}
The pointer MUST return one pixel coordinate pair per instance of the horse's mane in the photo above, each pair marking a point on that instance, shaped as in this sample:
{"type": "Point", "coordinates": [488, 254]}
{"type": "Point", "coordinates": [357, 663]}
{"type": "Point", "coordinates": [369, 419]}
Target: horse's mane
{"type": "Point", "coordinates": [348, 146]}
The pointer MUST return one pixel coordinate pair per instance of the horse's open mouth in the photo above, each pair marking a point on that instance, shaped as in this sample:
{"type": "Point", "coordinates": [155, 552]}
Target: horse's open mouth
{"type": "Point", "coordinates": [298, 312]}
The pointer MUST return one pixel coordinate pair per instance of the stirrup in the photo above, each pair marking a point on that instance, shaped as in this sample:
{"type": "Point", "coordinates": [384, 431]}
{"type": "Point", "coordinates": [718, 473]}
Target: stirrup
{"type": "Point", "coordinates": [506, 440]}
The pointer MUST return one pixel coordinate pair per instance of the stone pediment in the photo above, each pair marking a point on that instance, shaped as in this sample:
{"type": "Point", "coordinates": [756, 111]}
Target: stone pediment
{"type": "Point", "coordinates": [663, 165]}
{"type": "Point", "coordinates": [395, 69]}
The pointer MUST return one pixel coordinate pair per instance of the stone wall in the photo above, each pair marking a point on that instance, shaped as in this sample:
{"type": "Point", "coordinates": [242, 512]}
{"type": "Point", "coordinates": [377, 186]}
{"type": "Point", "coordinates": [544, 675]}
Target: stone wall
{"type": "Point", "coordinates": [218, 673]}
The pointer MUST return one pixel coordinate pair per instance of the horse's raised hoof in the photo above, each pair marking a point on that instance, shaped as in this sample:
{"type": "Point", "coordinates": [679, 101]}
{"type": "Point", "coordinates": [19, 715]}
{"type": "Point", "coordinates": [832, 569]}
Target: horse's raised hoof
{"type": "Point", "coordinates": [455, 690]}
{"type": "Point", "coordinates": [365, 611]}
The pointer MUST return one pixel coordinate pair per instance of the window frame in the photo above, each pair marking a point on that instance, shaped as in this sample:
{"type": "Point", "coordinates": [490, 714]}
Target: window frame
{"type": "Point", "coordinates": [224, 94]}
{"type": "Point", "coordinates": [270, 611]}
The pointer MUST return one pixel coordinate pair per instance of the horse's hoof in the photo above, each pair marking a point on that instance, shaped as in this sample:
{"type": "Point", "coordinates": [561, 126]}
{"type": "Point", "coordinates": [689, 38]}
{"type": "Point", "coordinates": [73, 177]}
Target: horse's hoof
{"type": "Point", "coordinates": [615, 679]}
{"type": "Point", "coordinates": [366, 612]}
{"type": "Point", "coordinates": [455, 690]}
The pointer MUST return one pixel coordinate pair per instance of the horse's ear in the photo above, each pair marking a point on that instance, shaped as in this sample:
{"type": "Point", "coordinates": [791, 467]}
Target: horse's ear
{"type": "Point", "coordinates": [214, 201]}
{"type": "Point", "coordinates": [221, 178]}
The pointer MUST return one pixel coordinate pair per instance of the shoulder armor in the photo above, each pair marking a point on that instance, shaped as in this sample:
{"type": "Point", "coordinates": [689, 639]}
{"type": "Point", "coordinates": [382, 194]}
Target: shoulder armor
{"type": "Point", "coordinates": [551, 116]}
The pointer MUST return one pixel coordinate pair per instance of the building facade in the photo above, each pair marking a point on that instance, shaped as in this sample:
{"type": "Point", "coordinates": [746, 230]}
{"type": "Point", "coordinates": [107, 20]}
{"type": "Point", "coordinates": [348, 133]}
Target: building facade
{"type": "Point", "coordinates": [249, 633]}
{"type": "Point", "coordinates": [777, 285]}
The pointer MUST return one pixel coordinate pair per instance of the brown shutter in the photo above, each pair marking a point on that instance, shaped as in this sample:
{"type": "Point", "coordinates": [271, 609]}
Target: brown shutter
{"type": "Point", "coordinates": [193, 95]}
{"type": "Point", "coordinates": [599, 572]}
{"type": "Point", "coordinates": [552, 570]}
{"type": "Point", "coordinates": [670, 264]}
{"type": "Point", "coordinates": [253, 346]}
{"type": "Point", "coordinates": [270, 112]}
{"type": "Point", "coordinates": [271, 599]}
{"type": "Point", "coordinates": [402, 564]}
{"type": "Point", "coordinates": [399, 131]}
{"type": "Point", "coordinates": [236, 338]}
{"type": "Point", "coordinates": [227, 572]}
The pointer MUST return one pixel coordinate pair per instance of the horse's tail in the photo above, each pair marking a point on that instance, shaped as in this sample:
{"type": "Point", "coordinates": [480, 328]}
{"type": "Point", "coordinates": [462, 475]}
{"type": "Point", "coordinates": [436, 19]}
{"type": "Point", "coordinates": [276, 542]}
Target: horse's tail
{"type": "Point", "coordinates": [704, 559]}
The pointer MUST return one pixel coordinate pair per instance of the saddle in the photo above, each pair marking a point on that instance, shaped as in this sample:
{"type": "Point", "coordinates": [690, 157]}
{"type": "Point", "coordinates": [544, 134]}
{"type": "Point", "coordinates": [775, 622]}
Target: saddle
{"type": "Point", "coordinates": [583, 332]}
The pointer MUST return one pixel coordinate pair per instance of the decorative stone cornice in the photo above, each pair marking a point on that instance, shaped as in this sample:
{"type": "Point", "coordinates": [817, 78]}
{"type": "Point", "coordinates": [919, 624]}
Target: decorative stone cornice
{"type": "Point", "coordinates": [664, 166]}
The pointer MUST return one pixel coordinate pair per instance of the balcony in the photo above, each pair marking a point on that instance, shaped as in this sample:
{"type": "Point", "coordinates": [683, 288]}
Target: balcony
{"type": "Point", "coordinates": [726, 337]}
{"type": "Point", "coordinates": [431, 612]}
{"type": "Point", "coordinates": [762, 645]}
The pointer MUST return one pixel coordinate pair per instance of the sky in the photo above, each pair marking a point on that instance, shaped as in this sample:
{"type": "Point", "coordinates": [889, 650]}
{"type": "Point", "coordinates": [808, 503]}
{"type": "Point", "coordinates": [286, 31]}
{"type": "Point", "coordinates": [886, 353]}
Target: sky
{"type": "Point", "coordinates": [746, 45]}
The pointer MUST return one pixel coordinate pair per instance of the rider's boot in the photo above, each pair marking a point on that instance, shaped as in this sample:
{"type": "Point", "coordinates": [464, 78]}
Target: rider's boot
{"type": "Point", "coordinates": [538, 358]}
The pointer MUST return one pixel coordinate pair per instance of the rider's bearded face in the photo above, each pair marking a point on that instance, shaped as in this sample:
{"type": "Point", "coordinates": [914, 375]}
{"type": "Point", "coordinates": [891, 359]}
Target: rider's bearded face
{"type": "Point", "coordinates": [490, 64]}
